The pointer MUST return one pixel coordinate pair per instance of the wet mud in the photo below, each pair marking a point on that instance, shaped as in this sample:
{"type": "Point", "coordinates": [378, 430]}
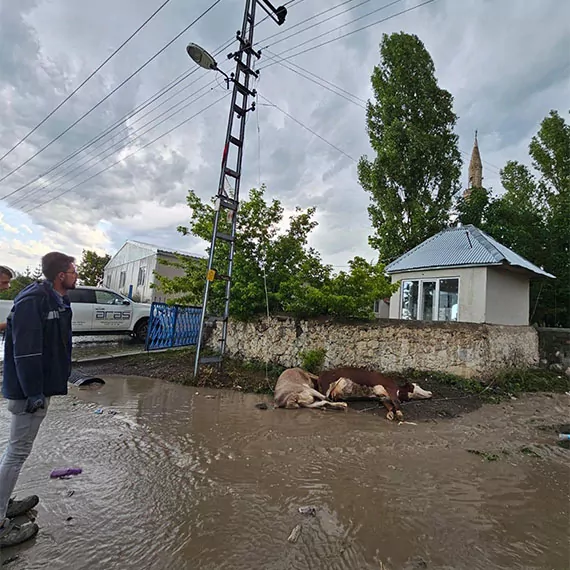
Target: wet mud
{"type": "Point", "coordinates": [178, 477]}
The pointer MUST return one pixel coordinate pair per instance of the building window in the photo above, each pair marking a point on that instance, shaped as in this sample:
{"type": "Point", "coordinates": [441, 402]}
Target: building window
{"type": "Point", "coordinates": [108, 281]}
{"type": "Point", "coordinates": [142, 276]}
{"type": "Point", "coordinates": [430, 299]}
{"type": "Point", "coordinates": [122, 279]}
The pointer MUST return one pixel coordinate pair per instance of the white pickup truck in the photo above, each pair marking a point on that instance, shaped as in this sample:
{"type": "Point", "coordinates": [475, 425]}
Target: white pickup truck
{"type": "Point", "coordinates": [98, 310]}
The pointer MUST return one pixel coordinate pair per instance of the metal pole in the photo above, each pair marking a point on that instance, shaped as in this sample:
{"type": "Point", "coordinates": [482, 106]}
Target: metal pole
{"type": "Point", "coordinates": [221, 191]}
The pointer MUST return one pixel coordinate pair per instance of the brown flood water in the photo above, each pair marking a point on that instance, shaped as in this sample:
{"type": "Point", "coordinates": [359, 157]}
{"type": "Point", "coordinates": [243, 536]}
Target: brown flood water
{"type": "Point", "coordinates": [177, 480]}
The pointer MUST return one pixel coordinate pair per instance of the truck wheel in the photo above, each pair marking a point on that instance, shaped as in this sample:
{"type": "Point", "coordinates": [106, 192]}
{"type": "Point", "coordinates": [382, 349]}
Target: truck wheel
{"type": "Point", "coordinates": [141, 330]}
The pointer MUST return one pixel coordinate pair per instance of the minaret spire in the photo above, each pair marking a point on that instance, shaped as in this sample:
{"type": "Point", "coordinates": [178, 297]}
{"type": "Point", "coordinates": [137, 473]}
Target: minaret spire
{"type": "Point", "coordinates": [475, 169]}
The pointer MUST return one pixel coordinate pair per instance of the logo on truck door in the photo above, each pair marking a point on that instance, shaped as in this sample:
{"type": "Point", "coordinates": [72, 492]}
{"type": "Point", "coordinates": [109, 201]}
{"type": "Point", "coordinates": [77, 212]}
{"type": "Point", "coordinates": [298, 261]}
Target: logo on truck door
{"type": "Point", "coordinates": [112, 315]}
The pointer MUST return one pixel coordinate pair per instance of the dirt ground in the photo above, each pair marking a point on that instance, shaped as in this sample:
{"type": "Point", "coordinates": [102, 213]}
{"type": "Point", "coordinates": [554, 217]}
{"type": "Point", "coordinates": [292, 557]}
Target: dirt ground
{"type": "Point", "coordinates": [452, 397]}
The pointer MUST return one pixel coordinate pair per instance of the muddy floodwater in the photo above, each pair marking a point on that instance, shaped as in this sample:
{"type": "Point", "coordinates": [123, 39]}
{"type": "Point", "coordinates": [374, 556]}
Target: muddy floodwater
{"type": "Point", "coordinates": [178, 478]}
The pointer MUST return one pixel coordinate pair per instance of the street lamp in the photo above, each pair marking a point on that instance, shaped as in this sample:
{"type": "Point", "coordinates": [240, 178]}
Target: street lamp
{"type": "Point", "coordinates": [201, 56]}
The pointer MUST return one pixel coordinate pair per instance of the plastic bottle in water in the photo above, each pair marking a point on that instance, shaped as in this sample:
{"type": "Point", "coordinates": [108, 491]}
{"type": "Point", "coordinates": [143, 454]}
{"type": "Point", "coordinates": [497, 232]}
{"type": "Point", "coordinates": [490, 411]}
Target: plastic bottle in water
{"type": "Point", "coordinates": [65, 472]}
{"type": "Point", "coordinates": [564, 436]}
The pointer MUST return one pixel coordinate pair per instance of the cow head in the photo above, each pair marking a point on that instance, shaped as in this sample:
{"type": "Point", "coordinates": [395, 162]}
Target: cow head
{"type": "Point", "coordinates": [419, 393]}
{"type": "Point", "coordinates": [413, 391]}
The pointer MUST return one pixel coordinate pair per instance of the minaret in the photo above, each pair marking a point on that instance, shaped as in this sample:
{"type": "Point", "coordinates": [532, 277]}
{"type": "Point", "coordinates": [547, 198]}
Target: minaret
{"type": "Point", "coordinates": [475, 170]}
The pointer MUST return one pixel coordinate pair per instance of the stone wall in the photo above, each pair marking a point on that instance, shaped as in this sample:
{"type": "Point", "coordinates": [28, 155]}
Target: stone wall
{"type": "Point", "coordinates": [465, 349]}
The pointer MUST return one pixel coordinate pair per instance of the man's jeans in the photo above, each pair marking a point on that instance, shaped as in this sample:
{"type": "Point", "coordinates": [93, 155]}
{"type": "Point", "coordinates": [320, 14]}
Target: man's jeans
{"type": "Point", "coordinates": [23, 431]}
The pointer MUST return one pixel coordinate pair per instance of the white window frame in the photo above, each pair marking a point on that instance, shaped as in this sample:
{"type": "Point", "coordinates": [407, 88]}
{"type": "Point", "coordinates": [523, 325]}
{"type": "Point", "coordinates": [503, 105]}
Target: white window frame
{"type": "Point", "coordinates": [437, 281]}
{"type": "Point", "coordinates": [141, 277]}
{"type": "Point", "coordinates": [122, 278]}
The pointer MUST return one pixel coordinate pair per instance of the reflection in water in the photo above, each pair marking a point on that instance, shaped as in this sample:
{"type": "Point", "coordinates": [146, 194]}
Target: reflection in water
{"type": "Point", "coordinates": [185, 478]}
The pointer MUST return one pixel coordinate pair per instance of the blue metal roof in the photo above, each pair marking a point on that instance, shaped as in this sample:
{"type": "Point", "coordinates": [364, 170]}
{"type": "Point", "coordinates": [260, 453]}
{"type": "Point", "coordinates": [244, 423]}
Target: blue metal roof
{"type": "Point", "coordinates": [460, 247]}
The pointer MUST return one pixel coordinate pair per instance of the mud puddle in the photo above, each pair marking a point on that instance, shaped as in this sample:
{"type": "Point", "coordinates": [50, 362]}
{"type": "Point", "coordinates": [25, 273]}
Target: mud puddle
{"type": "Point", "coordinates": [180, 478]}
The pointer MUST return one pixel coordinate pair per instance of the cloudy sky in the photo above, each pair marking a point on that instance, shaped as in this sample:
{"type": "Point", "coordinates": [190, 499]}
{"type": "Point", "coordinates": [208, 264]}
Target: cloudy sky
{"type": "Point", "coordinates": [505, 62]}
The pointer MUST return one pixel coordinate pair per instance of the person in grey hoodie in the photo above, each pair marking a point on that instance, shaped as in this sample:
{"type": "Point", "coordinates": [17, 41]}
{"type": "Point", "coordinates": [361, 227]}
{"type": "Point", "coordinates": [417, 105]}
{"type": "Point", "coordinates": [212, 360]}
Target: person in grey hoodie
{"type": "Point", "coordinates": [37, 365]}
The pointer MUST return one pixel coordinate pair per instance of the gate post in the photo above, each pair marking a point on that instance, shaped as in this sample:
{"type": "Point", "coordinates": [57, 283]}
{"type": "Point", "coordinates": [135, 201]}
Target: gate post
{"type": "Point", "coordinates": [174, 326]}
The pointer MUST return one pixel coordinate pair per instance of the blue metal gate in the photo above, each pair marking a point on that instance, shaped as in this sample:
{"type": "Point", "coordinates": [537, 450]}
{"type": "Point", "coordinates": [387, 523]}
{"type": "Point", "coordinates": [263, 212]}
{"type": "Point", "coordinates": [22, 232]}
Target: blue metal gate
{"type": "Point", "coordinates": [172, 325]}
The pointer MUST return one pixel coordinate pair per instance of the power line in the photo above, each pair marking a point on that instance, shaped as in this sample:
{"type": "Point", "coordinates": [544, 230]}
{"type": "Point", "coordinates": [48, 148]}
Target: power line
{"type": "Point", "coordinates": [323, 85]}
{"type": "Point", "coordinates": [328, 42]}
{"type": "Point", "coordinates": [115, 145]}
{"type": "Point", "coordinates": [308, 129]}
{"type": "Point", "coordinates": [108, 130]}
{"type": "Point", "coordinates": [326, 11]}
{"type": "Point", "coordinates": [148, 102]}
{"type": "Point", "coordinates": [350, 33]}
{"type": "Point", "coordinates": [68, 170]}
{"type": "Point", "coordinates": [161, 92]}
{"type": "Point", "coordinates": [309, 78]}
{"type": "Point", "coordinates": [129, 155]}
{"type": "Point", "coordinates": [342, 25]}
{"type": "Point", "coordinates": [88, 78]}
{"type": "Point", "coordinates": [113, 91]}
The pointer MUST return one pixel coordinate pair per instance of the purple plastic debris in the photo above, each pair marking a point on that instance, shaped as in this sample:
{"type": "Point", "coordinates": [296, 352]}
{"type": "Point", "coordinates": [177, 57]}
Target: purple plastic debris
{"type": "Point", "coordinates": [65, 472]}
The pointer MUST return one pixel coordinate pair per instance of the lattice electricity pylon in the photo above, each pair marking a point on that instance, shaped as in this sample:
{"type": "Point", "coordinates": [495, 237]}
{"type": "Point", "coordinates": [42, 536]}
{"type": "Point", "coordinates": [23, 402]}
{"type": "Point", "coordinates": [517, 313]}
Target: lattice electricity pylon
{"type": "Point", "coordinates": [227, 198]}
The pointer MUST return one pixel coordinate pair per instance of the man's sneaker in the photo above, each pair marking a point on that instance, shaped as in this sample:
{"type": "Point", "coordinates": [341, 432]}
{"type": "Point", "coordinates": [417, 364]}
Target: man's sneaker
{"type": "Point", "coordinates": [13, 534]}
{"type": "Point", "coordinates": [18, 508]}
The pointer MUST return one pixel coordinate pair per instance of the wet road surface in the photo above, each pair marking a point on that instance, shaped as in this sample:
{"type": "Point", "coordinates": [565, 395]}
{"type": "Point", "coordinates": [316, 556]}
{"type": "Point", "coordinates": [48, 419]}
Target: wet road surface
{"type": "Point", "coordinates": [97, 346]}
{"type": "Point", "coordinates": [180, 478]}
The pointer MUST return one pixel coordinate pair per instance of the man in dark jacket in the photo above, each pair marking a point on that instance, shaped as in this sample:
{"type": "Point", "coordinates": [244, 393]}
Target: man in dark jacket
{"type": "Point", "coordinates": [37, 364]}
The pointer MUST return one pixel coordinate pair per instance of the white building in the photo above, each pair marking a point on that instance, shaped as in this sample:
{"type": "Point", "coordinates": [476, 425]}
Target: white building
{"type": "Point", "coordinates": [463, 274]}
{"type": "Point", "coordinates": [132, 270]}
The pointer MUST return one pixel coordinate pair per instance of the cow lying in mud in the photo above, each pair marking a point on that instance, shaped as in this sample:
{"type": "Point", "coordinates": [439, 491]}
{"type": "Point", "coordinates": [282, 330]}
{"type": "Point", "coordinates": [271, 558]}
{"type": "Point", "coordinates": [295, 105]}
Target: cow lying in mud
{"type": "Point", "coordinates": [340, 383]}
{"type": "Point", "coordinates": [295, 388]}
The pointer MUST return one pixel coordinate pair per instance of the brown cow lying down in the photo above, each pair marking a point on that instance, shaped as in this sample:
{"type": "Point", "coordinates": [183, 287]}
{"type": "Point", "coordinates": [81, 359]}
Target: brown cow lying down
{"type": "Point", "coordinates": [295, 388]}
{"type": "Point", "coordinates": [340, 383]}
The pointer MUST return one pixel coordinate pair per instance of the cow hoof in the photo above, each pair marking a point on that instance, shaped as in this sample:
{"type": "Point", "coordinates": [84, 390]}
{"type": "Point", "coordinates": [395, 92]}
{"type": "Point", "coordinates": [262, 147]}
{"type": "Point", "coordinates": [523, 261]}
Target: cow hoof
{"type": "Point", "coordinates": [400, 416]}
{"type": "Point", "coordinates": [390, 416]}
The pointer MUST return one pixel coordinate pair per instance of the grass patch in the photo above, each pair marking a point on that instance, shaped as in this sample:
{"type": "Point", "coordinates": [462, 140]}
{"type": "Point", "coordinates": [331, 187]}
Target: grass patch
{"type": "Point", "coordinates": [484, 454]}
{"type": "Point", "coordinates": [529, 452]}
{"type": "Point", "coordinates": [313, 360]}
{"type": "Point", "coordinates": [501, 386]}
{"type": "Point", "coordinates": [531, 380]}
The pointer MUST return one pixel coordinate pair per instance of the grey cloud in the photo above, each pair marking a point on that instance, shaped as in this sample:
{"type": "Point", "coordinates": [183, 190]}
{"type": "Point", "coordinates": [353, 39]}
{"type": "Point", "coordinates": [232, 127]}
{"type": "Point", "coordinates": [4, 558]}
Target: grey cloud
{"type": "Point", "coordinates": [505, 70]}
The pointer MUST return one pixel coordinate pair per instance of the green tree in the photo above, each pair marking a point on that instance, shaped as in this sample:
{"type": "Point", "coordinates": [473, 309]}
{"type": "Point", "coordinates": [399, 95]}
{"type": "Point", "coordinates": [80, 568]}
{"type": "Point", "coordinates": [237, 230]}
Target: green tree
{"type": "Point", "coordinates": [531, 217]}
{"type": "Point", "coordinates": [91, 267]}
{"type": "Point", "coordinates": [550, 154]}
{"type": "Point", "coordinates": [273, 267]}
{"type": "Point", "coordinates": [473, 208]}
{"type": "Point", "coordinates": [37, 274]}
{"type": "Point", "coordinates": [410, 123]}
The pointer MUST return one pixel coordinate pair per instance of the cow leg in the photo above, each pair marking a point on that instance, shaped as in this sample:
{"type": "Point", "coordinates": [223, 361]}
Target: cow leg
{"type": "Point", "coordinates": [398, 408]}
{"type": "Point", "coordinates": [388, 405]}
{"type": "Point", "coordinates": [314, 393]}
{"type": "Point", "coordinates": [326, 403]}
{"type": "Point", "coordinates": [336, 405]}
{"type": "Point", "coordinates": [387, 399]}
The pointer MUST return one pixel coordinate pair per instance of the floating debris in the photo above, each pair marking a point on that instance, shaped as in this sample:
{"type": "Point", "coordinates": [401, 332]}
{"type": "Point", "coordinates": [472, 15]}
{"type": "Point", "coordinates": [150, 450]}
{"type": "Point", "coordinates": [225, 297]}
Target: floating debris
{"type": "Point", "coordinates": [65, 472]}
{"type": "Point", "coordinates": [312, 511]}
{"type": "Point", "coordinates": [294, 536]}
